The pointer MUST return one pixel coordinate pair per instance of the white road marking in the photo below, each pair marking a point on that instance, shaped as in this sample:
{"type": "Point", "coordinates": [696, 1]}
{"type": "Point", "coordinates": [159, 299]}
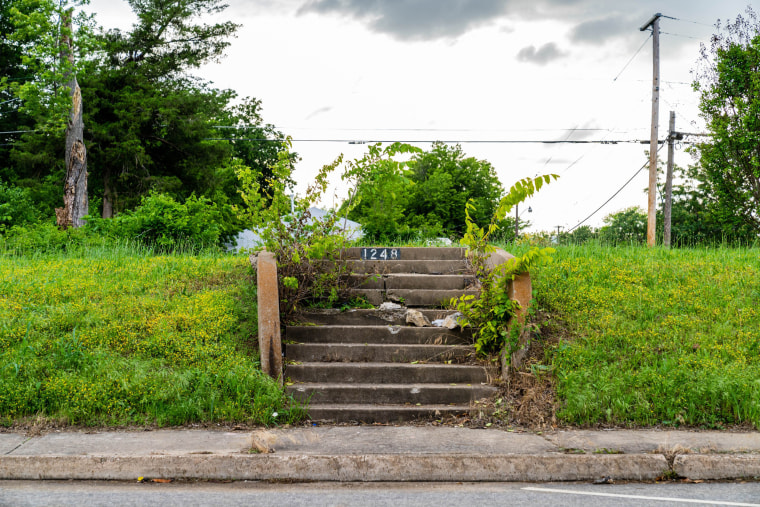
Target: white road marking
{"type": "Point", "coordinates": [638, 497]}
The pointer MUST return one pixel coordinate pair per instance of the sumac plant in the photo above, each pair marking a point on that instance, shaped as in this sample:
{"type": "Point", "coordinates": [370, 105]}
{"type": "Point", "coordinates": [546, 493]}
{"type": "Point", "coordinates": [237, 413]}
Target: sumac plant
{"type": "Point", "coordinates": [492, 312]}
{"type": "Point", "coordinates": [308, 248]}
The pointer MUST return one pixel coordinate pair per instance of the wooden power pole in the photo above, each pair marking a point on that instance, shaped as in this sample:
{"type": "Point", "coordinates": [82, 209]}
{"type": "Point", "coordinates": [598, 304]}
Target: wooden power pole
{"type": "Point", "coordinates": [653, 141]}
{"type": "Point", "coordinates": [668, 206]}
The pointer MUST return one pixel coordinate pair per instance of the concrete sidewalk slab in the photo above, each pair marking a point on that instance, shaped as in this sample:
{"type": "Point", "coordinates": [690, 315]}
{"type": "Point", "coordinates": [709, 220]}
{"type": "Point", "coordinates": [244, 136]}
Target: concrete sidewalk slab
{"type": "Point", "coordinates": [163, 442]}
{"type": "Point", "coordinates": [381, 453]}
{"type": "Point", "coordinates": [648, 441]}
{"type": "Point", "coordinates": [345, 440]}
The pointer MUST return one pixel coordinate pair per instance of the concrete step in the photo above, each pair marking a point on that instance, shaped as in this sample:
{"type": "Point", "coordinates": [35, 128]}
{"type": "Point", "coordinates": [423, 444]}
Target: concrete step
{"type": "Point", "coordinates": [414, 253]}
{"type": "Point", "coordinates": [385, 353]}
{"type": "Point", "coordinates": [440, 394]}
{"type": "Point", "coordinates": [412, 297]}
{"type": "Point", "coordinates": [362, 317]}
{"type": "Point", "coordinates": [386, 373]}
{"type": "Point", "coordinates": [428, 267]}
{"type": "Point", "coordinates": [383, 413]}
{"type": "Point", "coordinates": [413, 281]}
{"type": "Point", "coordinates": [378, 334]}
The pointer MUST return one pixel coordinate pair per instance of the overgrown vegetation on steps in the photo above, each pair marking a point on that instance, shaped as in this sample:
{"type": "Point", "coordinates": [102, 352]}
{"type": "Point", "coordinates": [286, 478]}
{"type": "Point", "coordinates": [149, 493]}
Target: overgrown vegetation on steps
{"type": "Point", "coordinates": [658, 337]}
{"type": "Point", "coordinates": [118, 336]}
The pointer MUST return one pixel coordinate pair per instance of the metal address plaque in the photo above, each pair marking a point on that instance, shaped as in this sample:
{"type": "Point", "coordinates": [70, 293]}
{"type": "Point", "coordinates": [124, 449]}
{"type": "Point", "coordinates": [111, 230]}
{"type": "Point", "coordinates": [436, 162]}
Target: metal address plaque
{"type": "Point", "coordinates": [381, 254]}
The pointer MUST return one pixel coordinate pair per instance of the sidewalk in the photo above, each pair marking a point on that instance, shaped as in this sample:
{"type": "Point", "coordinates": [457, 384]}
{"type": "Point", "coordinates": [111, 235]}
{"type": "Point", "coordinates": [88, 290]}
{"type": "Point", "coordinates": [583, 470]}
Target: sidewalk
{"type": "Point", "coordinates": [381, 453]}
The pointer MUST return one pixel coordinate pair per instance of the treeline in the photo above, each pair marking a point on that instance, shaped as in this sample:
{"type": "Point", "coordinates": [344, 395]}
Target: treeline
{"type": "Point", "coordinates": [164, 148]}
{"type": "Point", "coordinates": [151, 127]}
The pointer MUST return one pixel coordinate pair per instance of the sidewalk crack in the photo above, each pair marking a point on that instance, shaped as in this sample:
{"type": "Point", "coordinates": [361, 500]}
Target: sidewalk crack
{"type": "Point", "coordinates": [17, 447]}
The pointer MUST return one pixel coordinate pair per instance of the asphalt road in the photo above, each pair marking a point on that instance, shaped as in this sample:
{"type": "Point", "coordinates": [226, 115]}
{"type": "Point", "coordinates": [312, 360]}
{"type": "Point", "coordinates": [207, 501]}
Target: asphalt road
{"type": "Point", "coordinates": [185, 494]}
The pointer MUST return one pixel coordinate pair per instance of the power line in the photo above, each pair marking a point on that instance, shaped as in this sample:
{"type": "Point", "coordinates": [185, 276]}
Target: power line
{"type": "Point", "coordinates": [634, 56]}
{"type": "Point", "coordinates": [449, 141]}
{"type": "Point", "coordinates": [693, 22]}
{"type": "Point", "coordinates": [615, 194]}
{"type": "Point", "coordinates": [419, 129]}
{"type": "Point", "coordinates": [681, 35]}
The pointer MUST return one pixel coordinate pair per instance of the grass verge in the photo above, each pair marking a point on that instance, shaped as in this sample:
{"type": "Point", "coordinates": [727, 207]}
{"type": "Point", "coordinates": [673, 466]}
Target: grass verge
{"type": "Point", "coordinates": [117, 336]}
{"type": "Point", "coordinates": [658, 337]}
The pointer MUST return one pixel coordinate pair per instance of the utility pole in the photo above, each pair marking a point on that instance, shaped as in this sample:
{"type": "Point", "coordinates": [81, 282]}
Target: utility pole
{"type": "Point", "coordinates": [668, 207]}
{"type": "Point", "coordinates": [652, 202]}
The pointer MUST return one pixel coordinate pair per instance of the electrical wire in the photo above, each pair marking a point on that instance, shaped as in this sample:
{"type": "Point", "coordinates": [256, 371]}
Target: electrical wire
{"type": "Point", "coordinates": [428, 141]}
{"type": "Point", "coordinates": [614, 195]}
{"type": "Point", "coordinates": [363, 129]}
{"type": "Point", "coordinates": [693, 22]}
{"type": "Point", "coordinates": [634, 56]}
{"type": "Point", "coordinates": [681, 35]}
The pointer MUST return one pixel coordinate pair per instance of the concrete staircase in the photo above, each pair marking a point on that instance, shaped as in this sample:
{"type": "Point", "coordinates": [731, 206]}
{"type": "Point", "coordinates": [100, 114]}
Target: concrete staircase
{"type": "Point", "coordinates": [370, 365]}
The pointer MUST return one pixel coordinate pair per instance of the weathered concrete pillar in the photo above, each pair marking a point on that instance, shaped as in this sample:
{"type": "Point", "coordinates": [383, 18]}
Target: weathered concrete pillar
{"type": "Point", "coordinates": [520, 289]}
{"type": "Point", "coordinates": [270, 342]}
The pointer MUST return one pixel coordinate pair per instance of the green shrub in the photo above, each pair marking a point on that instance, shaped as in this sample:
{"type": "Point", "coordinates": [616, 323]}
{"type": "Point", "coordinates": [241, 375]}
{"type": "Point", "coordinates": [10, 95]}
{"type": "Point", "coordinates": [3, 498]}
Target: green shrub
{"type": "Point", "coordinates": [165, 224]}
{"type": "Point", "coordinates": [16, 207]}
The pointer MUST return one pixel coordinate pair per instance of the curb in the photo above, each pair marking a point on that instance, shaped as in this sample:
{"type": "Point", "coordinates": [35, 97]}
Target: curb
{"type": "Point", "coordinates": [341, 468]}
{"type": "Point", "coordinates": [717, 466]}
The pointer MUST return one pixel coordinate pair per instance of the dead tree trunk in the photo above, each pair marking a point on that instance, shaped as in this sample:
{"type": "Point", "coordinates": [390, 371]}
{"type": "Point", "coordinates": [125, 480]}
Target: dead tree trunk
{"type": "Point", "coordinates": [75, 205]}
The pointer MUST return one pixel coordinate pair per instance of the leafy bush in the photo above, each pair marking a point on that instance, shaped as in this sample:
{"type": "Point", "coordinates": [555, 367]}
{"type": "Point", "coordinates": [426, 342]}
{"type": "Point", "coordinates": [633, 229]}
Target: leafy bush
{"type": "Point", "coordinates": [163, 223]}
{"type": "Point", "coordinates": [492, 312]}
{"type": "Point", "coordinates": [16, 207]}
{"type": "Point", "coordinates": [299, 241]}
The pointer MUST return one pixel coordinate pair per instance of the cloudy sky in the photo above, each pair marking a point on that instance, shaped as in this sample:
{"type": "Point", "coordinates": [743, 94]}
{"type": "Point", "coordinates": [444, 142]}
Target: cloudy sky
{"type": "Point", "coordinates": [490, 74]}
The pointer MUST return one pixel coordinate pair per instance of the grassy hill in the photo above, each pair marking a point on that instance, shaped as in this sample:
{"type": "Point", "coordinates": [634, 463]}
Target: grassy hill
{"type": "Point", "coordinates": [655, 336]}
{"type": "Point", "coordinates": [117, 336]}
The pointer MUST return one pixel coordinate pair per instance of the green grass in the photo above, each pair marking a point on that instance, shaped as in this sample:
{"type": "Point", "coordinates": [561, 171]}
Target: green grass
{"type": "Point", "coordinates": [118, 336]}
{"type": "Point", "coordinates": [658, 336]}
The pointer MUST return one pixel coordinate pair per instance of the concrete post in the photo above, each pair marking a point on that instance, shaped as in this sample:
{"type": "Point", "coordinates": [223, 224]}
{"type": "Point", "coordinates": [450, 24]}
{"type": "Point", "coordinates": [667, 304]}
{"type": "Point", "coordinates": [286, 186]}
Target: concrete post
{"type": "Point", "coordinates": [520, 289]}
{"type": "Point", "coordinates": [270, 341]}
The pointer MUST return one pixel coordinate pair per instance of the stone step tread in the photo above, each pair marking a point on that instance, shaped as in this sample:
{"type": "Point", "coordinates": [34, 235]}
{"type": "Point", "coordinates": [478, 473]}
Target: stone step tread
{"type": "Point", "coordinates": [429, 393]}
{"type": "Point", "coordinates": [413, 253]}
{"type": "Point", "coordinates": [383, 413]}
{"type": "Point", "coordinates": [414, 281]}
{"type": "Point", "coordinates": [378, 334]}
{"type": "Point", "coordinates": [409, 266]}
{"type": "Point", "coordinates": [392, 352]}
{"type": "Point", "coordinates": [394, 365]}
{"type": "Point", "coordinates": [371, 386]}
{"type": "Point", "coordinates": [383, 346]}
{"type": "Point", "coordinates": [386, 373]}
{"type": "Point", "coordinates": [413, 297]}
{"type": "Point", "coordinates": [361, 316]}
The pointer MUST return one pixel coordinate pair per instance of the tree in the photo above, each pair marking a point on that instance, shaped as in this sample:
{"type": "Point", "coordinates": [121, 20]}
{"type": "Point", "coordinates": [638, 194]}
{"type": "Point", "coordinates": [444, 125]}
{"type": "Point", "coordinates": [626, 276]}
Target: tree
{"type": "Point", "coordinates": [445, 180]}
{"type": "Point", "coordinates": [425, 195]}
{"type": "Point", "coordinates": [151, 119]}
{"type": "Point", "coordinates": [45, 31]}
{"type": "Point", "coordinates": [626, 226]}
{"type": "Point", "coordinates": [12, 70]}
{"type": "Point", "coordinates": [728, 81]}
{"type": "Point", "coordinates": [383, 190]}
